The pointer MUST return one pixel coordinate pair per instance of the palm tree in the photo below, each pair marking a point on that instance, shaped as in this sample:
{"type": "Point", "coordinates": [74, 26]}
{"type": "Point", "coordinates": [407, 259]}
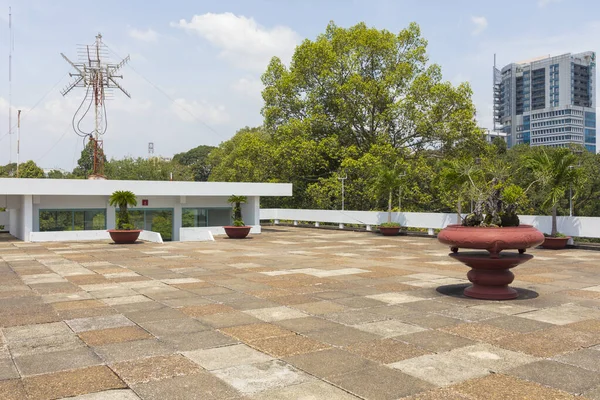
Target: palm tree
{"type": "Point", "coordinates": [123, 199]}
{"type": "Point", "coordinates": [554, 170]}
{"type": "Point", "coordinates": [236, 201]}
{"type": "Point", "coordinates": [388, 179]}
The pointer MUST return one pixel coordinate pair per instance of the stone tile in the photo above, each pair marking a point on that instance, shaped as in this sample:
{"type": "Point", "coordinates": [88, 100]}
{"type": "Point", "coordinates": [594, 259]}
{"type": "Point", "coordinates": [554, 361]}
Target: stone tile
{"type": "Point", "coordinates": [436, 341]}
{"type": "Point", "coordinates": [501, 387]}
{"type": "Point", "coordinates": [248, 333]}
{"type": "Point", "coordinates": [56, 361]}
{"type": "Point", "coordinates": [320, 307]}
{"type": "Point", "coordinates": [479, 331]}
{"type": "Point", "coordinates": [225, 357]}
{"type": "Point", "coordinates": [254, 378]}
{"type": "Point", "coordinates": [558, 375]}
{"type": "Point", "coordinates": [562, 315]}
{"type": "Point", "coordinates": [517, 324]}
{"type": "Point", "coordinates": [592, 394]}
{"type": "Point", "coordinates": [198, 340]}
{"type": "Point", "coordinates": [7, 370]}
{"type": "Point", "coordinates": [76, 305]}
{"type": "Point", "coordinates": [440, 394]}
{"type": "Point", "coordinates": [380, 383]}
{"type": "Point", "coordinates": [227, 320]}
{"type": "Point", "coordinates": [154, 369]}
{"type": "Point", "coordinates": [394, 298]}
{"type": "Point", "coordinates": [45, 344]}
{"type": "Point", "coordinates": [585, 358]}
{"type": "Point", "coordinates": [431, 321]}
{"type": "Point", "coordinates": [284, 346]}
{"type": "Point", "coordinates": [386, 351]}
{"type": "Point", "coordinates": [354, 317]}
{"type": "Point", "coordinates": [113, 301]}
{"type": "Point", "coordinates": [313, 390]}
{"type": "Point", "coordinates": [12, 390]}
{"type": "Point", "coordinates": [114, 335]}
{"type": "Point", "coordinates": [28, 332]}
{"type": "Point", "coordinates": [173, 327]}
{"type": "Point", "coordinates": [468, 314]}
{"type": "Point", "coordinates": [97, 323]}
{"type": "Point", "coordinates": [133, 350]}
{"type": "Point", "coordinates": [307, 324]}
{"type": "Point", "coordinates": [72, 383]}
{"type": "Point", "coordinates": [338, 362]}
{"type": "Point", "coordinates": [118, 394]}
{"type": "Point", "coordinates": [275, 313]}
{"type": "Point", "coordinates": [389, 328]}
{"type": "Point", "coordinates": [342, 336]}
{"type": "Point", "coordinates": [550, 342]}
{"type": "Point", "coordinates": [200, 386]}
{"type": "Point", "coordinates": [503, 308]}
{"type": "Point", "coordinates": [209, 309]}
{"type": "Point", "coordinates": [156, 315]}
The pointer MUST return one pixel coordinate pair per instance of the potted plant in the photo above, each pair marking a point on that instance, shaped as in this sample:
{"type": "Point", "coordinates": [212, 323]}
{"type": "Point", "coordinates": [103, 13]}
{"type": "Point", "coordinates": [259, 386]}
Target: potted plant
{"type": "Point", "coordinates": [493, 226]}
{"type": "Point", "coordinates": [388, 179]}
{"type": "Point", "coordinates": [239, 230]}
{"type": "Point", "coordinates": [125, 232]}
{"type": "Point", "coordinates": [554, 170]}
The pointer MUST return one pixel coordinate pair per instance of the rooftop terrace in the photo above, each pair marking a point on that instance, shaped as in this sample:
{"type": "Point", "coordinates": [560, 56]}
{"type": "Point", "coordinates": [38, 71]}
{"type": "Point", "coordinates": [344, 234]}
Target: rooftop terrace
{"type": "Point", "coordinates": [292, 313]}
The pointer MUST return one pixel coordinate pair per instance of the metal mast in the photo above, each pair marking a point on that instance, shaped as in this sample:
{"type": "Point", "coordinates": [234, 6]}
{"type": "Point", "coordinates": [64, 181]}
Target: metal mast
{"type": "Point", "coordinates": [11, 45]}
{"type": "Point", "coordinates": [99, 79]}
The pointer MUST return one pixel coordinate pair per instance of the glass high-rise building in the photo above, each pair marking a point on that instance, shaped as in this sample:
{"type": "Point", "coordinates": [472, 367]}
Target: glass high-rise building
{"type": "Point", "coordinates": [547, 101]}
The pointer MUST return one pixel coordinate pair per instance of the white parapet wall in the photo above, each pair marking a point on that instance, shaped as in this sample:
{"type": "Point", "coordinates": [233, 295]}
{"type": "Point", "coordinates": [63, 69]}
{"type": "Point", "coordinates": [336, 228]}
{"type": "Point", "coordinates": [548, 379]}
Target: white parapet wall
{"type": "Point", "coordinates": [86, 236]}
{"type": "Point", "coordinates": [570, 226]}
{"type": "Point", "coordinates": [202, 234]}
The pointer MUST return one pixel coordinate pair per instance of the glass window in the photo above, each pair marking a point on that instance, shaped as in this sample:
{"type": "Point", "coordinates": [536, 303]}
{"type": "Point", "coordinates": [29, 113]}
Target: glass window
{"type": "Point", "coordinates": [72, 220]}
{"type": "Point", "coordinates": [156, 220]}
{"type": "Point", "coordinates": [202, 217]}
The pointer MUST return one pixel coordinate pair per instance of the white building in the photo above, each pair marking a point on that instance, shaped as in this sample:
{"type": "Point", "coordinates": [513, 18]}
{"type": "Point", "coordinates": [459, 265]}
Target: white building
{"type": "Point", "coordinates": [490, 135]}
{"type": "Point", "coordinates": [65, 209]}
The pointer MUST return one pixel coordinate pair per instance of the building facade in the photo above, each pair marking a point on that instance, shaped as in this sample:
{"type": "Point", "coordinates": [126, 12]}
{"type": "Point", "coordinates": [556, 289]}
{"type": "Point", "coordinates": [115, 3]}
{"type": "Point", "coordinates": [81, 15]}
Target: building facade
{"type": "Point", "coordinates": [548, 101]}
{"type": "Point", "coordinates": [69, 209]}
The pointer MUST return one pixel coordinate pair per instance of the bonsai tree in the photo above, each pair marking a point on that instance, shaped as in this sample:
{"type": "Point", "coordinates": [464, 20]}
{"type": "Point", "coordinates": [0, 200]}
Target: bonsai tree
{"type": "Point", "coordinates": [237, 201]}
{"type": "Point", "coordinates": [554, 170]}
{"type": "Point", "coordinates": [388, 179]}
{"type": "Point", "coordinates": [123, 199]}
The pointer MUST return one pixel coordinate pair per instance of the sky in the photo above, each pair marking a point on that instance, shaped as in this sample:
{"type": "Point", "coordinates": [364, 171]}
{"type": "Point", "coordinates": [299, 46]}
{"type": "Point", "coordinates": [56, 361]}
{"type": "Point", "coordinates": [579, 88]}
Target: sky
{"type": "Point", "coordinates": [195, 68]}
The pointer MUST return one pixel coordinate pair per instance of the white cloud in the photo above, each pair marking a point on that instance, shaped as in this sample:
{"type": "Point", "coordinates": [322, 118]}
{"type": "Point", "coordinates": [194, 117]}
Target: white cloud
{"type": "Point", "coordinates": [480, 23]}
{"type": "Point", "coordinates": [249, 87]}
{"type": "Point", "coordinates": [544, 3]}
{"type": "Point", "coordinates": [189, 111]}
{"type": "Point", "coordinates": [147, 35]}
{"type": "Point", "coordinates": [241, 40]}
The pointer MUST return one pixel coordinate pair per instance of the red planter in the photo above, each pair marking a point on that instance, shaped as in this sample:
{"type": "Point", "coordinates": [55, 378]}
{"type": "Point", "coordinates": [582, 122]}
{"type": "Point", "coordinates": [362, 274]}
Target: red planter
{"type": "Point", "coordinates": [555, 243]}
{"type": "Point", "coordinates": [124, 237]}
{"type": "Point", "coordinates": [490, 272]}
{"type": "Point", "coordinates": [237, 232]}
{"type": "Point", "coordinates": [389, 231]}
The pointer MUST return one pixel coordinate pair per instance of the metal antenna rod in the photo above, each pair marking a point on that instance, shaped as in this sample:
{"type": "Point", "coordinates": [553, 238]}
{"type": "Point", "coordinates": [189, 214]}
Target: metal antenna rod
{"type": "Point", "coordinates": [343, 179]}
{"type": "Point", "coordinates": [10, 49]}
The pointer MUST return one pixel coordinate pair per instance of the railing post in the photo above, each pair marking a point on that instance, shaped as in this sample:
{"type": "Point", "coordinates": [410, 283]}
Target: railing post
{"type": "Point", "coordinates": [430, 231]}
{"type": "Point", "coordinates": [276, 222]}
{"type": "Point", "coordinates": [341, 226]}
{"type": "Point", "coordinates": [369, 228]}
{"type": "Point", "coordinates": [295, 222]}
{"type": "Point", "coordinates": [317, 225]}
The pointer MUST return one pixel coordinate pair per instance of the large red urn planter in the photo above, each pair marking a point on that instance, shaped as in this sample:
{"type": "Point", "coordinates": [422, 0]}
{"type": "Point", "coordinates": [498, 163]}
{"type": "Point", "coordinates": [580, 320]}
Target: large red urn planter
{"type": "Point", "coordinates": [555, 243]}
{"type": "Point", "coordinates": [389, 231]}
{"type": "Point", "coordinates": [237, 232]}
{"type": "Point", "coordinates": [490, 272]}
{"type": "Point", "coordinates": [124, 236]}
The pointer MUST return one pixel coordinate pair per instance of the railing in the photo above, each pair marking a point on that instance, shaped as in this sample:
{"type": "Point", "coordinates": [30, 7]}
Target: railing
{"type": "Point", "coordinates": [572, 226]}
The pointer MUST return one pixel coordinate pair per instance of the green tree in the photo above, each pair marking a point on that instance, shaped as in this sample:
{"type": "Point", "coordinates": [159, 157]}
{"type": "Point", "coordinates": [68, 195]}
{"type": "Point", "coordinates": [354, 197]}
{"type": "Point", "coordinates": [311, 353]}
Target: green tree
{"type": "Point", "coordinates": [154, 169]}
{"type": "Point", "coordinates": [365, 85]}
{"type": "Point", "coordinates": [85, 164]}
{"type": "Point", "coordinates": [29, 169]}
{"type": "Point", "coordinates": [56, 174]}
{"type": "Point", "coordinates": [123, 199]}
{"type": "Point", "coordinates": [197, 160]}
{"type": "Point", "coordinates": [236, 202]}
{"type": "Point", "coordinates": [554, 170]}
{"type": "Point", "coordinates": [8, 170]}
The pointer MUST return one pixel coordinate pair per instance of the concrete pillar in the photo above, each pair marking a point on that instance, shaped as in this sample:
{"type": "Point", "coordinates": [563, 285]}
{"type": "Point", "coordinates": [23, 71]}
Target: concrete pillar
{"type": "Point", "coordinates": [111, 216]}
{"type": "Point", "coordinates": [430, 231]}
{"type": "Point", "coordinates": [27, 210]}
{"type": "Point", "coordinates": [341, 226]}
{"type": "Point", "coordinates": [276, 222]}
{"type": "Point", "coordinates": [177, 221]}
{"type": "Point", "coordinates": [295, 223]}
{"type": "Point", "coordinates": [369, 228]}
{"type": "Point", "coordinates": [317, 225]}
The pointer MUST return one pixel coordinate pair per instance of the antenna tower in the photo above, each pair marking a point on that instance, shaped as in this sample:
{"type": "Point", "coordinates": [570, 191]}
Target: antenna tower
{"type": "Point", "coordinates": [11, 46]}
{"type": "Point", "coordinates": [98, 77]}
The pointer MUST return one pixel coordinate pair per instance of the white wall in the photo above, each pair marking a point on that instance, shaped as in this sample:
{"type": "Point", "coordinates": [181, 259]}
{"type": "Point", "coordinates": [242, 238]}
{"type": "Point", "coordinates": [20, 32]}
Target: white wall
{"type": "Point", "coordinates": [571, 226]}
{"type": "Point", "coordinates": [196, 234]}
{"type": "Point", "coordinates": [4, 220]}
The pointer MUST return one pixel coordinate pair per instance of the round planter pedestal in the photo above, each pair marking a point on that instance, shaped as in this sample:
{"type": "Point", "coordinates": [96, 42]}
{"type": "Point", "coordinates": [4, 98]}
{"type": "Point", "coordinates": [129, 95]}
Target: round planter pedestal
{"type": "Point", "coordinates": [555, 243]}
{"type": "Point", "coordinates": [124, 237]}
{"type": "Point", "coordinates": [389, 231]}
{"type": "Point", "coordinates": [237, 232]}
{"type": "Point", "coordinates": [490, 271]}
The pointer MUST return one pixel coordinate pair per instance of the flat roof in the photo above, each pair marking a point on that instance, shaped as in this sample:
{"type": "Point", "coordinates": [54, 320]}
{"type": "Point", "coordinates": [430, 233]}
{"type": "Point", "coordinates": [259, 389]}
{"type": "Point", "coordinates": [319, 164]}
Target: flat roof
{"type": "Point", "coordinates": [81, 187]}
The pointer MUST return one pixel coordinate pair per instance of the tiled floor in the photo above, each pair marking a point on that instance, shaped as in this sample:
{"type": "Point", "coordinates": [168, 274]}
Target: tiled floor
{"type": "Point", "coordinates": [291, 314]}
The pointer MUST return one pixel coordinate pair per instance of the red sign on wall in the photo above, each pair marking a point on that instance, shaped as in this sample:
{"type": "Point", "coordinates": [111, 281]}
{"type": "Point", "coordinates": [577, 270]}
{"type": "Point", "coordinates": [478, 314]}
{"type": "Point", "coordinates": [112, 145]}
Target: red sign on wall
{"type": "Point", "coordinates": [145, 202]}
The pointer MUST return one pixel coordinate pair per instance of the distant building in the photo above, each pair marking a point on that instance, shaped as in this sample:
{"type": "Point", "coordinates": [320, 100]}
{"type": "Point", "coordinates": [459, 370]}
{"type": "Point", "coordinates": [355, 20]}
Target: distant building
{"type": "Point", "coordinates": [490, 135]}
{"type": "Point", "coordinates": [548, 101]}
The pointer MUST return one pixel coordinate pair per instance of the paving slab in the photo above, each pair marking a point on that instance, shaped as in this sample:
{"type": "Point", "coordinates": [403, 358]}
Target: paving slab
{"type": "Point", "coordinates": [114, 335]}
{"type": "Point", "coordinates": [96, 323]}
{"type": "Point", "coordinates": [275, 313]}
{"type": "Point", "coordinates": [389, 328]}
{"type": "Point", "coordinates": [200, 386]}
{"type": "Point", "coordinates": [154, 368]}
{"type": "Point", "coordinates": [314, 390]}
{"type": "Point", "coordinates": [198, 340]}
{"type": "Point", "coordinates": [227, 356]}
{"type": "Point", "coordinates": [116, 394]}
{"type": "Point", "coordinates": [36, 364]}
{"type": "Point", "coordinates": [338, 362]}
{"type": "Point", "coordinates": [558, 375]}
{"type": "Point", "coordinates": [132, 350]}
